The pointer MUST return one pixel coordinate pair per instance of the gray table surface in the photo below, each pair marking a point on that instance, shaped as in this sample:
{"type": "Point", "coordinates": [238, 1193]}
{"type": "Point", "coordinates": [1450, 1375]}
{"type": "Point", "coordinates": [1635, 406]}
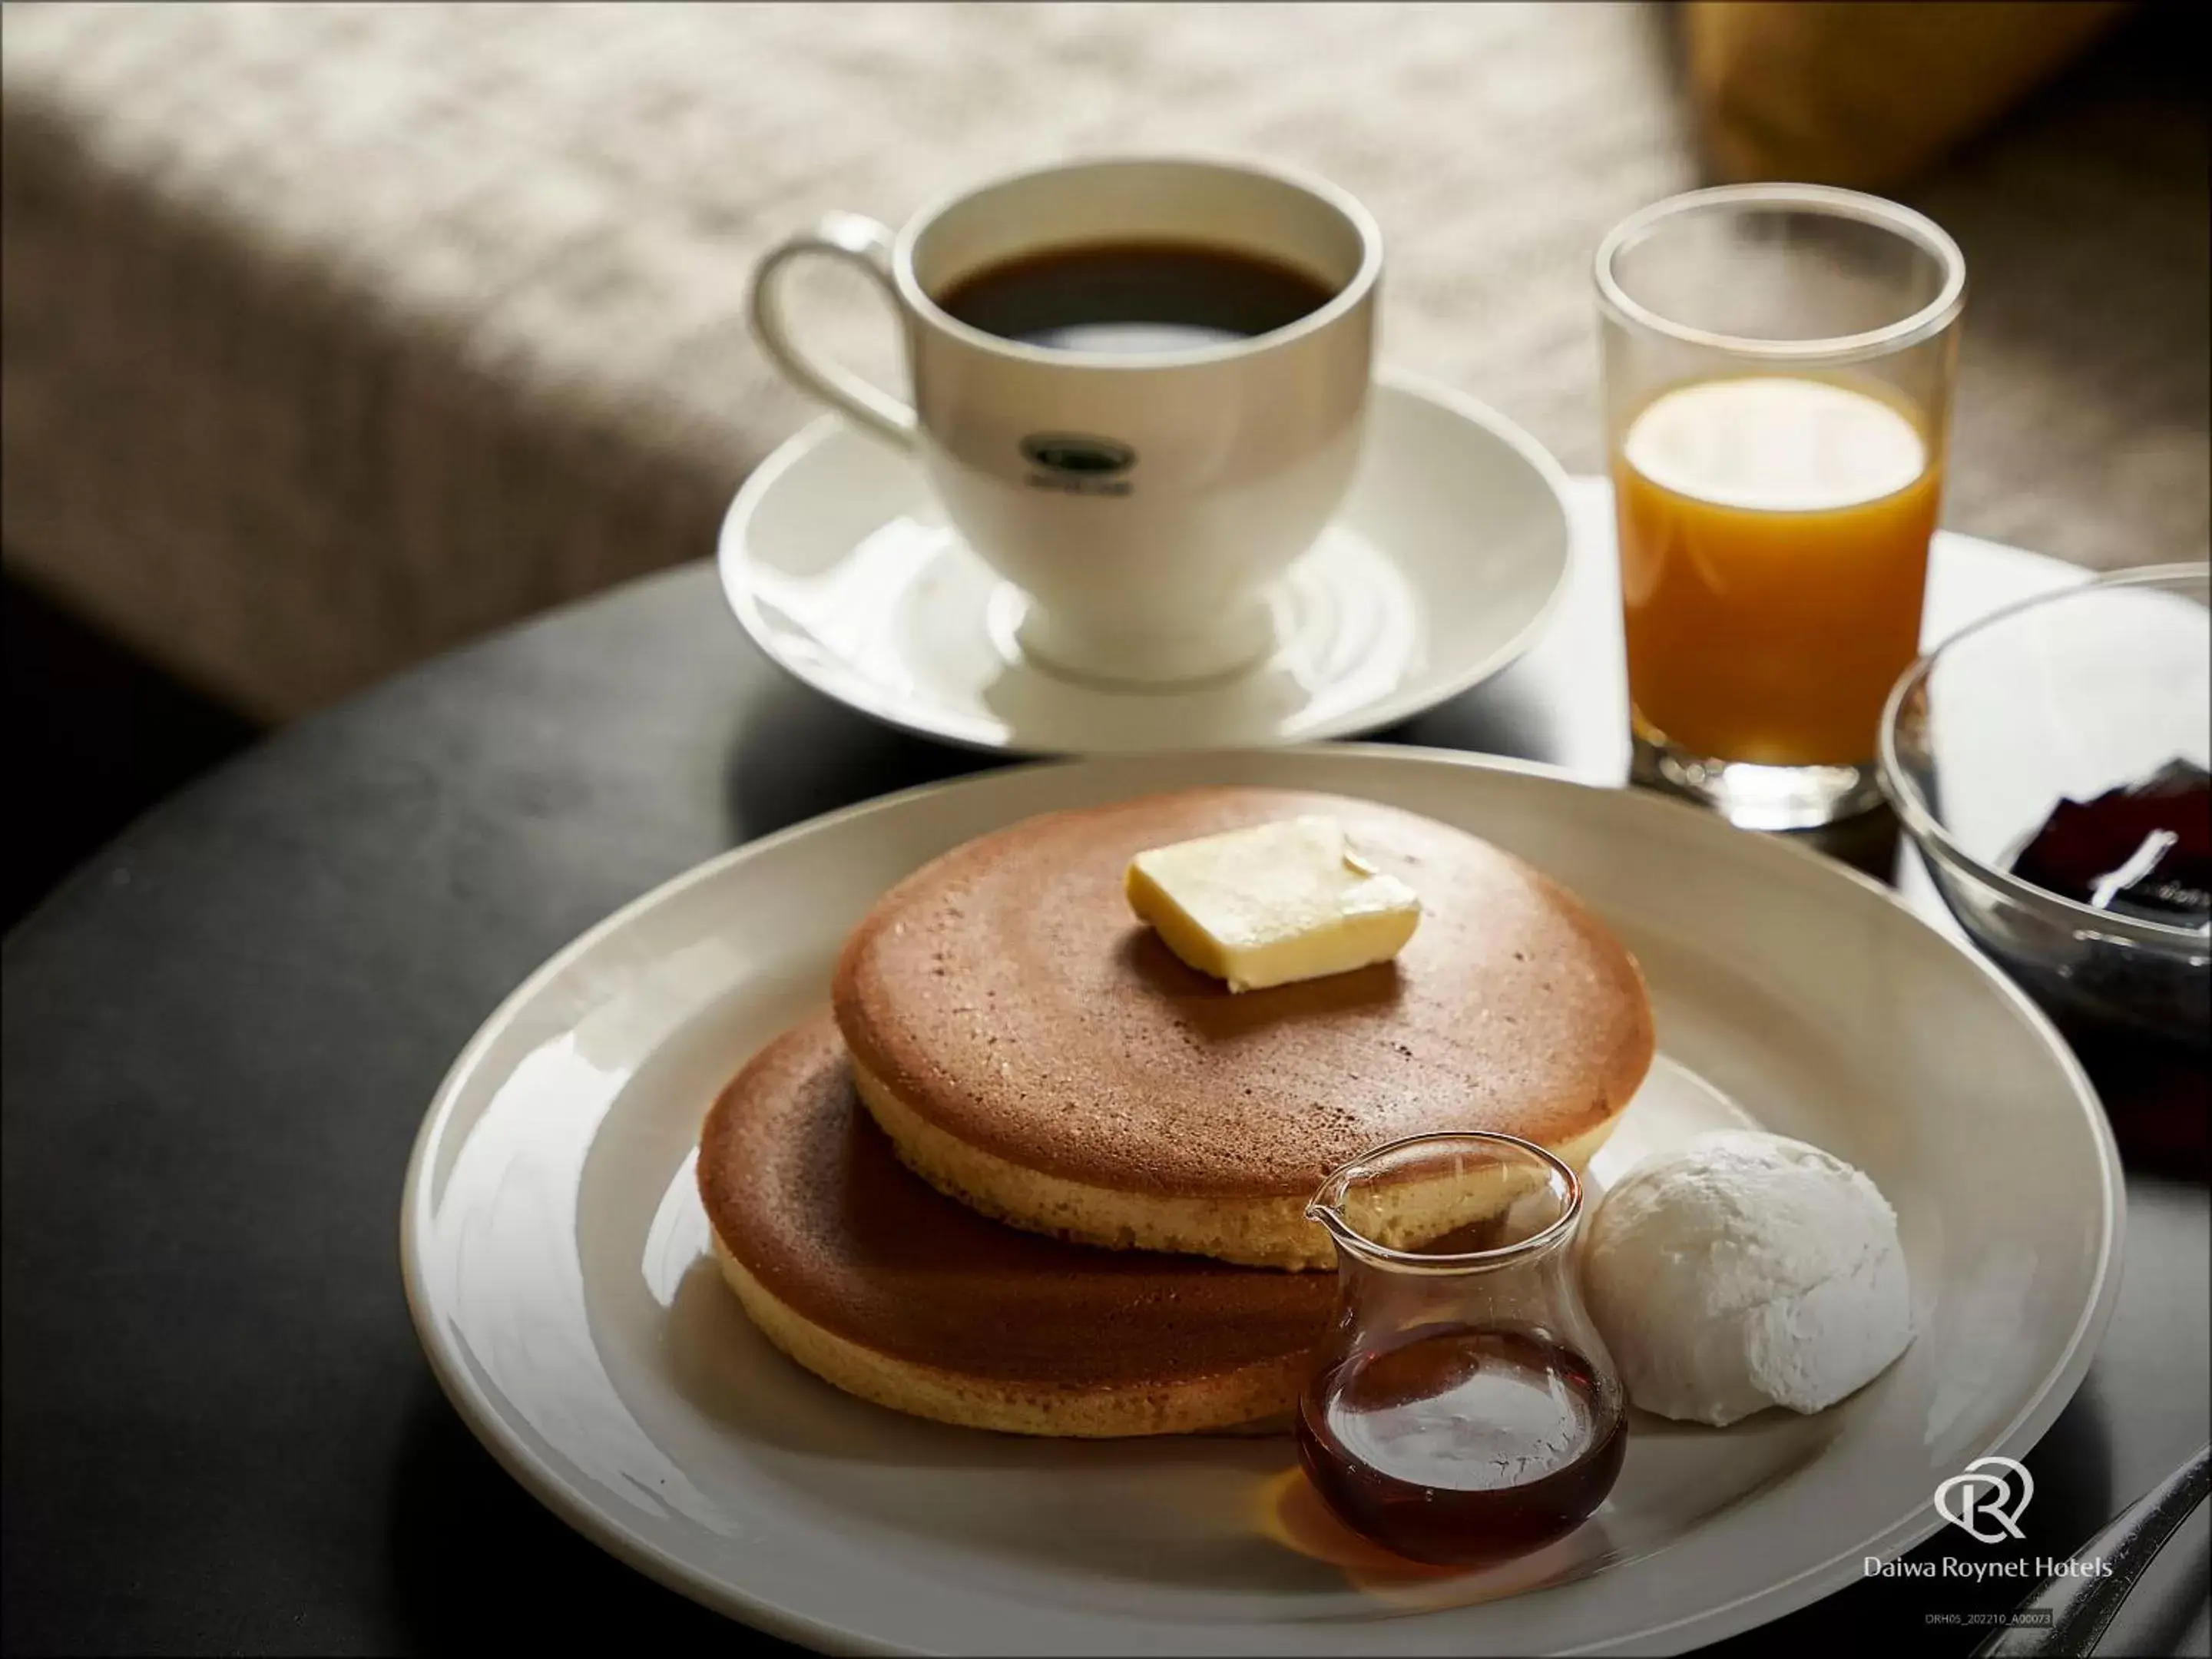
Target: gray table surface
{"type": "Point", "coordinates": [219, 1037]}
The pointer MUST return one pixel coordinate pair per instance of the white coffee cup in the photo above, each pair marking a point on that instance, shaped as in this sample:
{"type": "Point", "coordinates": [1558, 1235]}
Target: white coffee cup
{"type": "Point", "coordinates": [1144, 502]}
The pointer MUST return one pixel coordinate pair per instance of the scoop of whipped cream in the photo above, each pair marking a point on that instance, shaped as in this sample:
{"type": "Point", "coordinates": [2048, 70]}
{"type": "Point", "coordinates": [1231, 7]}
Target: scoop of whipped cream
{"type": "Point", "coordinates": [1743, 1271]}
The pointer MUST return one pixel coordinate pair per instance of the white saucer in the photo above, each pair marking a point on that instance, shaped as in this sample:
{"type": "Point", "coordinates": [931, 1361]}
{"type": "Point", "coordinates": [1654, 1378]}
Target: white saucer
{"type": "Point", "coordinates": [1438, 572]}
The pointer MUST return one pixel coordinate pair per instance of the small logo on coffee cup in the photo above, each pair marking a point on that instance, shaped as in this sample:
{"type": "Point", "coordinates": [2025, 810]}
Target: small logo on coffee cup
{"type": "Point", "coordinates": [1072, 452]}
{"type": "Point", "coordinates": [1078, 463]}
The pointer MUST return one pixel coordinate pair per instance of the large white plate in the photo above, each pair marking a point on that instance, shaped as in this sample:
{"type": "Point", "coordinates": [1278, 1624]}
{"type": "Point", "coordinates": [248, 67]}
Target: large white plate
{"type": "Point", "coordinates": [553, 1253]}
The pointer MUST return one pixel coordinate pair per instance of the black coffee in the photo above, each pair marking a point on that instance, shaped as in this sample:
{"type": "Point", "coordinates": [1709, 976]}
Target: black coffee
{"type": "Point", "coordinates": [1134, 297]}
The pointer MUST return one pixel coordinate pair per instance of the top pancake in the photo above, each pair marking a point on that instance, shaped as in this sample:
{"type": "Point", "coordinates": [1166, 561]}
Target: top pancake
{"type": "Point", "coordinates": [1008, 998]}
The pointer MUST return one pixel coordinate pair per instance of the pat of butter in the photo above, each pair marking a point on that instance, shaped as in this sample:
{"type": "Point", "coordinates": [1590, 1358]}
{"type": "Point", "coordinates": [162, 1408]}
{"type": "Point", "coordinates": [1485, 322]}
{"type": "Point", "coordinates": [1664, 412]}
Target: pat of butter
{"type": "Point", "coordinates": [1273, 903]}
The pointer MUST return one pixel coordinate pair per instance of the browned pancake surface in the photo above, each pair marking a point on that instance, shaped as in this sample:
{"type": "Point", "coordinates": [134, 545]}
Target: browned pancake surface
{"type": "Point", "coordinates": [807, 1194]}
{"type": "Point", "coordinates": [1007, 995]}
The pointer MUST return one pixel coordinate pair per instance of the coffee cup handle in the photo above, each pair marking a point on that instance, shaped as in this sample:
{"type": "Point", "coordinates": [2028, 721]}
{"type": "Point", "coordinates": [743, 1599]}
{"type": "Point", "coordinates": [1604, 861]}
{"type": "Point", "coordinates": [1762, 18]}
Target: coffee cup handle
{"type": "Point", "coordinates": [859, 241]}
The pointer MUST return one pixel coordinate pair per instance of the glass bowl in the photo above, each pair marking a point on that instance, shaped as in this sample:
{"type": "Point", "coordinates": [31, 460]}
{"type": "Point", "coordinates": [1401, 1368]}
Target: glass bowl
{"type": "Point", "coordinates": [2065, 696]}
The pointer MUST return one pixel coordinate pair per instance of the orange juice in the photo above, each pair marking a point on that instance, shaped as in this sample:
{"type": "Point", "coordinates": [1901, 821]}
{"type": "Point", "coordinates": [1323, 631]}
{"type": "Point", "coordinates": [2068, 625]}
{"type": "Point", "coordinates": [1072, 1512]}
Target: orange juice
{"type": "Point", "coordinates": [1773, 549]}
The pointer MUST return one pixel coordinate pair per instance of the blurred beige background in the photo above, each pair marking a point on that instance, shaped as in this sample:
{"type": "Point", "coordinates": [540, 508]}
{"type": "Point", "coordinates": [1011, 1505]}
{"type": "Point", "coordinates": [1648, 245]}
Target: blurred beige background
{"type": "Point", "coordinates": [383, 325]}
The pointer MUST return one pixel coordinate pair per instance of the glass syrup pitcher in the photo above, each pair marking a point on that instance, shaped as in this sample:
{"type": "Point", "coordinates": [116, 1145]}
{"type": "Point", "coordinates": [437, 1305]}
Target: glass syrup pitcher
{"type": "Point", "coordinates": [1463, 1408]}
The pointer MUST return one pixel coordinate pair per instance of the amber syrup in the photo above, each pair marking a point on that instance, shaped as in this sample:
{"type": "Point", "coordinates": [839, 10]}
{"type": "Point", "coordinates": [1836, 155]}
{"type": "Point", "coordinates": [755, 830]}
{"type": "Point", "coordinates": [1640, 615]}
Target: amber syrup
{"type": "Point", "coordinates": [1459, 1445]}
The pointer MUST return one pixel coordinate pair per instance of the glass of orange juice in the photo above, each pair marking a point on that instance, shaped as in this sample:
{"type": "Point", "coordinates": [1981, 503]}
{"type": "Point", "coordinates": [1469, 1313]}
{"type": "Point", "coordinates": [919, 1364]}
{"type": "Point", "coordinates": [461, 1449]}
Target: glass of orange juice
{"type": "Point", "coordinates": [1778, 364]}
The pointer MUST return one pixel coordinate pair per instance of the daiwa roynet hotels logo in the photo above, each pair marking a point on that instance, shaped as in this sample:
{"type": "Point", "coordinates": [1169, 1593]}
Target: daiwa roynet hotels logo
{"type": "Point", "coordinates": [1985, 1501]}
{"type": "Point", "coordinates": [1993, 1492]}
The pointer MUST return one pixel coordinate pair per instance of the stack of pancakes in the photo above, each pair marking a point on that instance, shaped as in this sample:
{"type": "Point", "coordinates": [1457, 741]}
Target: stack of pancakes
{"type": "Point", "coordinates": [1030, 1172]}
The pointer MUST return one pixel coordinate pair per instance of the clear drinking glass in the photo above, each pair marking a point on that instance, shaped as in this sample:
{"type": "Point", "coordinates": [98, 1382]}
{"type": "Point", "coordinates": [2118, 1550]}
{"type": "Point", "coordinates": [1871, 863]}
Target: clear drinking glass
{"type": "Point", "coordinates": [1778, 366]}
{"type": "Point", "coordinates": [1463, 1407]}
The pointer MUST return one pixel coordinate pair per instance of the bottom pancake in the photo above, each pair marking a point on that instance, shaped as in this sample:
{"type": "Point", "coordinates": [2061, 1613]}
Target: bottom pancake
{"type": "Point", "coordinates": [869, 1277]}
